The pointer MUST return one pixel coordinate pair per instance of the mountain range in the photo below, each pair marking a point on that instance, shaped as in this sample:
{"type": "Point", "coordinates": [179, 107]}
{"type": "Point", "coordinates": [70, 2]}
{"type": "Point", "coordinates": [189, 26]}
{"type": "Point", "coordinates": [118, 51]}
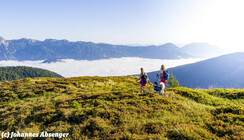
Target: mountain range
{"type": "Point", "coordinates": [225, 71]}
{"type": "Point", "coordinates": [51, 50]}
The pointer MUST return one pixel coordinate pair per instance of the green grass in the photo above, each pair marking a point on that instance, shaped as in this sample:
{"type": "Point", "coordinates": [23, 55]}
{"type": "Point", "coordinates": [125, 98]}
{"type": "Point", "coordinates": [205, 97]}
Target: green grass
{"type": "Point", "coordinates": [114, 108]}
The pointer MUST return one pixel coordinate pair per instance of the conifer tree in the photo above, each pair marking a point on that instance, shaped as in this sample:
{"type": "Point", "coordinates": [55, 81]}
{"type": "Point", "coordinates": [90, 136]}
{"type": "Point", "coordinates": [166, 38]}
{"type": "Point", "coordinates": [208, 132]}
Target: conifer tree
{"type": "Point", "coordinates": [173, 82]}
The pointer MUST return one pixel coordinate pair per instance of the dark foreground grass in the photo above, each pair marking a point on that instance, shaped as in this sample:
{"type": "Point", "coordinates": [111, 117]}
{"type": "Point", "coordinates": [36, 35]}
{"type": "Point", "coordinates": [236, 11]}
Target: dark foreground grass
{"type": "Point", "coordinates": [114, 108]}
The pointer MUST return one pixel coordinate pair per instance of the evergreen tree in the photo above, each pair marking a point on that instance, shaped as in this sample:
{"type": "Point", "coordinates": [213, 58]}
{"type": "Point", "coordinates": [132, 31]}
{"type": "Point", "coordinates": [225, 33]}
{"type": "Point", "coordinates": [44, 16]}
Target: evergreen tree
{"type": "Point", "coordinates": [173, 82]}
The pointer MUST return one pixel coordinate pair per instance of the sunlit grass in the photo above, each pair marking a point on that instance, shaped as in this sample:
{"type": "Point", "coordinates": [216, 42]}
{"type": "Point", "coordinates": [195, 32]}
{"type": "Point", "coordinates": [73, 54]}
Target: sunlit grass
{"type": "Point", "coordinates": [114, 108]}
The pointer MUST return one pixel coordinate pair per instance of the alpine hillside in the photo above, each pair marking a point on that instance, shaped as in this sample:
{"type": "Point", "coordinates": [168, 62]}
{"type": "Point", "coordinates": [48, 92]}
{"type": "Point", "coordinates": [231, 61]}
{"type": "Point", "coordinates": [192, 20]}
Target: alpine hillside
{"type": "Point", "coordinates": [114, 108]}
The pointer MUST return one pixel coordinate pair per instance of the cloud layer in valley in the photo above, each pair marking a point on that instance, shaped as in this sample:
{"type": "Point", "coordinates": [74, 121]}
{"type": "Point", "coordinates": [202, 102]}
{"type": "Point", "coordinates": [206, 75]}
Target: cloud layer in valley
{"type": "Point", "coordinates": [105, 67]}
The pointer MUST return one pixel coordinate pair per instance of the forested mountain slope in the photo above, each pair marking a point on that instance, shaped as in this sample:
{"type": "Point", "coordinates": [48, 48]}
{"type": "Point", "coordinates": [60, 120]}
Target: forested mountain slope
{"type": "Point", "coordinates": [21, 72]}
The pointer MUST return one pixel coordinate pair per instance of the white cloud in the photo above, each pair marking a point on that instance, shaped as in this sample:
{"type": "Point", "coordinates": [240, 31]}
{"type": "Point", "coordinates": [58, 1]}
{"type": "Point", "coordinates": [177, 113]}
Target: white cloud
{"type": "Point", "coordinates": [105, 67]}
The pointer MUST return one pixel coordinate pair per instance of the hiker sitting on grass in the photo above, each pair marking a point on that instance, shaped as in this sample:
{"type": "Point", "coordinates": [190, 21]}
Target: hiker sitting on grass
{"type": "Point", "coordinates": [143, 80]}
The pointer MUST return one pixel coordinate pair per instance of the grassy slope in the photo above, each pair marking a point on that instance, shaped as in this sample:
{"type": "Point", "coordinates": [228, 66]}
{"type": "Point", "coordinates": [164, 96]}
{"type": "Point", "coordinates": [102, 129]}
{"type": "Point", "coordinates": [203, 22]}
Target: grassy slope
{"type": "Point", "coordinates": [113, 108]}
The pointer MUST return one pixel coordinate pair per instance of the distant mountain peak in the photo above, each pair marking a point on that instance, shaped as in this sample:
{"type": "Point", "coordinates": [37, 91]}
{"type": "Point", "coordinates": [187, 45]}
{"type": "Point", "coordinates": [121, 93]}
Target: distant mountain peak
{"type": "Point", "coordinates": [52, 60]}
{"type": "Point", "coordinates": [166, 44]}
{"type": "Point", "coordinates": [171, 44]}
{"type": "Point", "coordinates": [3, 41]}
{"type": "Point", "coordinates": [1, 38]}
{"type": "Point", "coordinates": [202, 50]}
{"type": "Point", "coordinates": [200, 44]}
{"type": "Point", "coordinates": [56, 40]}
{"type": "Point", "coordinates": [29, 40]}
{"type": "Point", "coordinates": [50, 40]}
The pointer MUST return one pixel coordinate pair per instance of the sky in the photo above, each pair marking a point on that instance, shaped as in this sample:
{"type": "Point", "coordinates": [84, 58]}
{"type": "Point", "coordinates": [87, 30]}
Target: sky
{"type": "Point", "coordinates": [128, 22]}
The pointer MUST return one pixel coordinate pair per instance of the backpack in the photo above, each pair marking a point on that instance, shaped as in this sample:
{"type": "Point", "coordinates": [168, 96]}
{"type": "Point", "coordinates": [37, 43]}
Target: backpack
{"type": "Point", "coordinates": [144, 78]}
{"type": "Point", "coordinates": [166, 75]}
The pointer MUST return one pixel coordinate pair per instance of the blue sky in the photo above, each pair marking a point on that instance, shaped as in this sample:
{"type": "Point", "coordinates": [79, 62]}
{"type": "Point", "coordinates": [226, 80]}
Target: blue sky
{"type": "Point", "coordinates": [218, 22]}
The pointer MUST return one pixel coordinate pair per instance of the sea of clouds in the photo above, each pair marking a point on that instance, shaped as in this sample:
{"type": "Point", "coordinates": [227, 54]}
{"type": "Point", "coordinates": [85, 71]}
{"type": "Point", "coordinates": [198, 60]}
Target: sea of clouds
{"type": "Point", "coordinates": [104, 67]}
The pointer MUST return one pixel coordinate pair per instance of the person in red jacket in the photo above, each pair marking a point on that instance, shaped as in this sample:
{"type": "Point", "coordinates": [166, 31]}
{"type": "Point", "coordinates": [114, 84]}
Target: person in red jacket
{"type": "Point", "coordinates": [162, 74]}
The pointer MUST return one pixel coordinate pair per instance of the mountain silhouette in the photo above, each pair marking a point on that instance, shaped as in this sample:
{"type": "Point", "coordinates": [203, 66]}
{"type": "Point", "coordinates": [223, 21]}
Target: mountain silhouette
{"type": "Point", "coordinates": [29, 49]}
{"type": "Point", "coordinates": [225, 71]}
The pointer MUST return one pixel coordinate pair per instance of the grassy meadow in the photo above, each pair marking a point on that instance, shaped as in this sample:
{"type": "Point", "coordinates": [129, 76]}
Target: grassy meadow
{"type": "Point", "coordinates": [114, 108]}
